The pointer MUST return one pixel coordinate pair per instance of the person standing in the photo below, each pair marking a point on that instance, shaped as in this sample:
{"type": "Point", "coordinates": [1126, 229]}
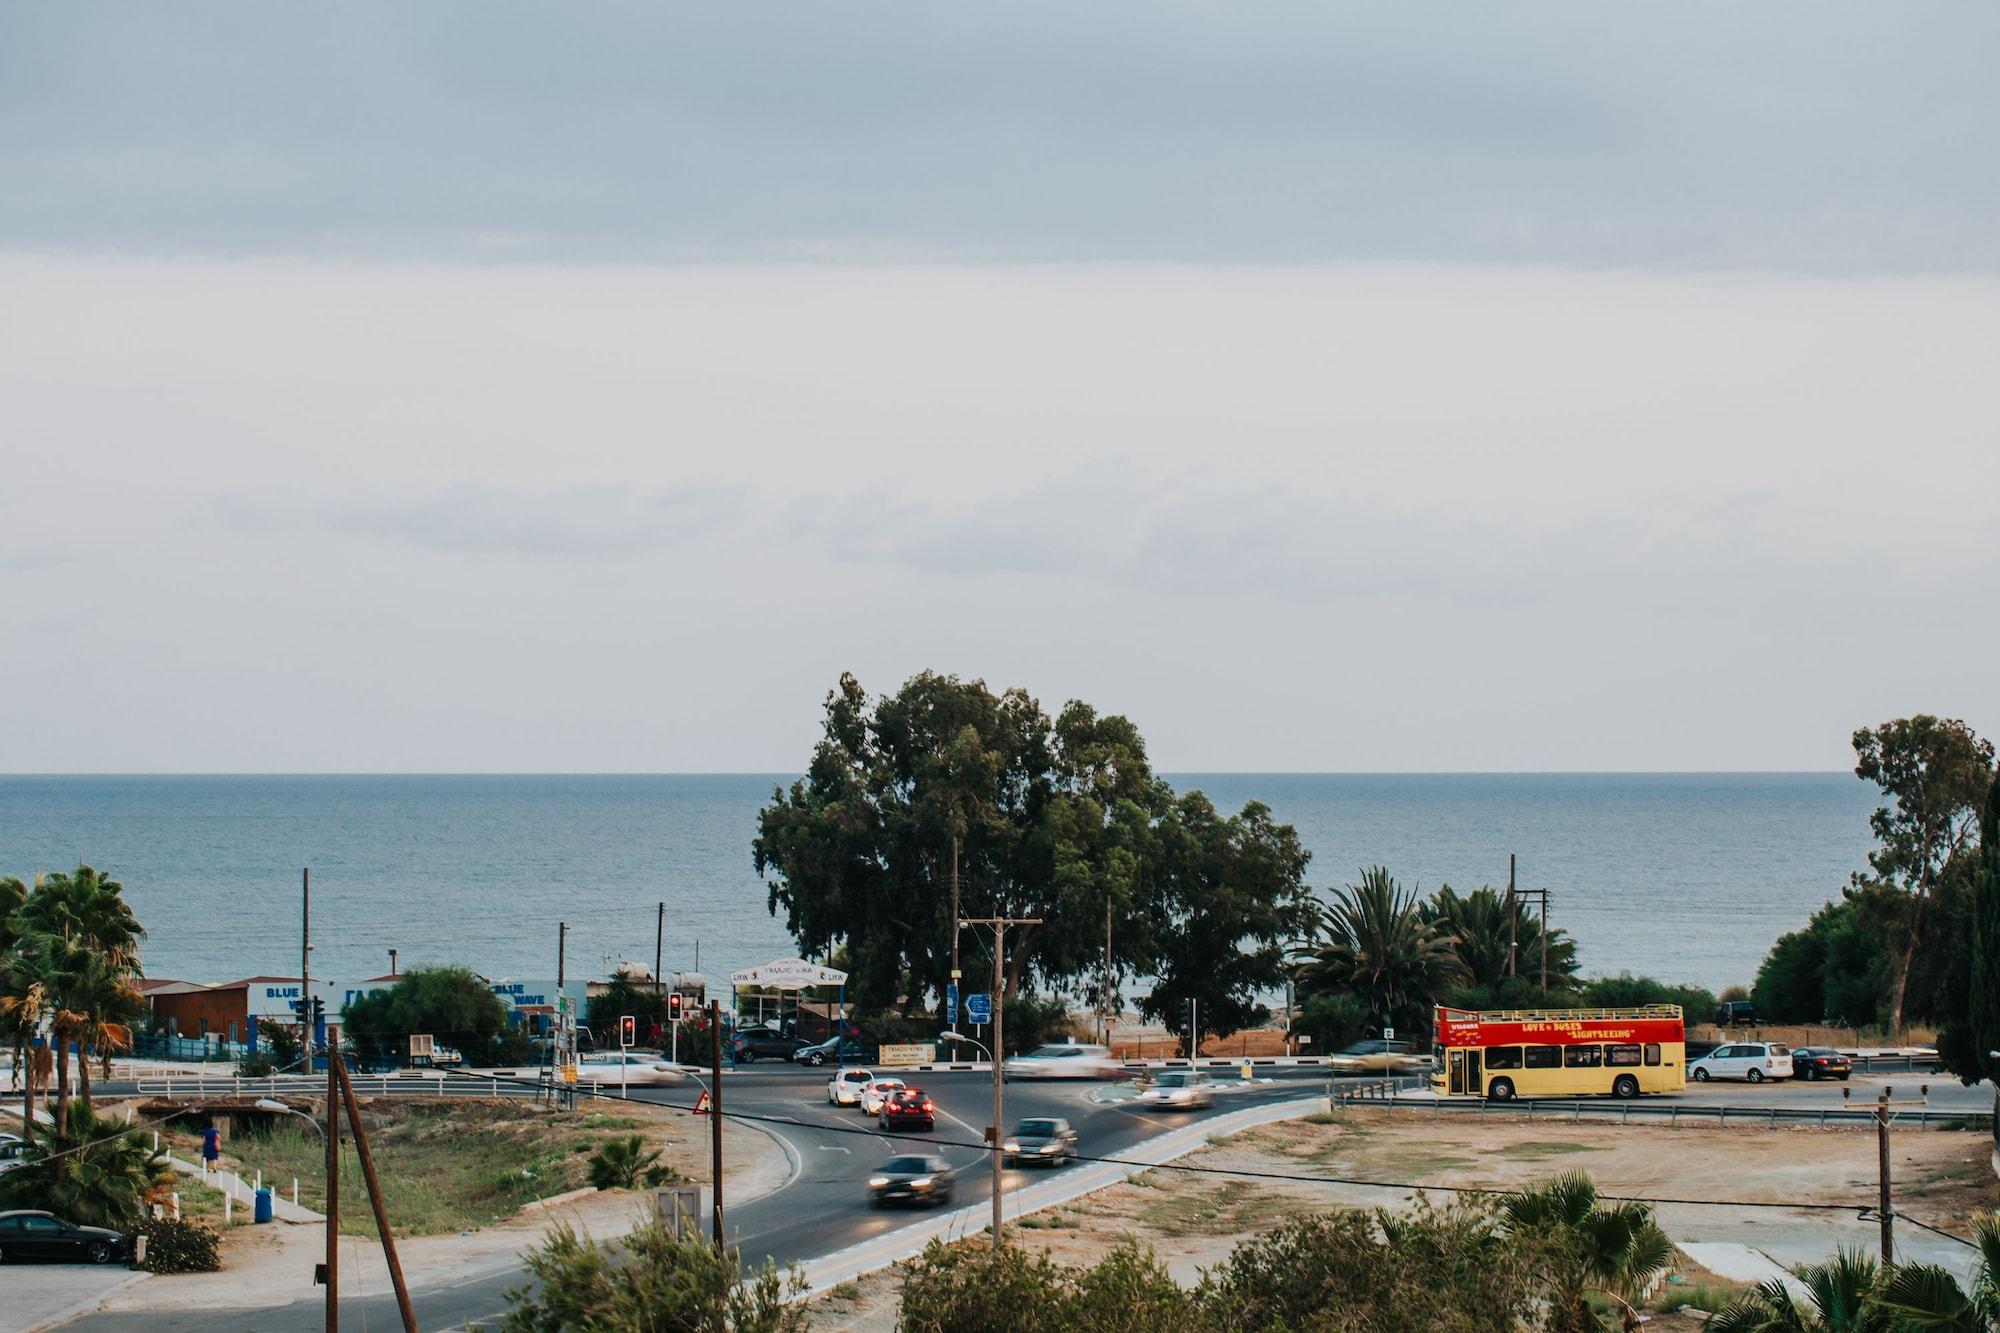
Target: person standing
{"type": "Point", "coordinates": [211, 1148]}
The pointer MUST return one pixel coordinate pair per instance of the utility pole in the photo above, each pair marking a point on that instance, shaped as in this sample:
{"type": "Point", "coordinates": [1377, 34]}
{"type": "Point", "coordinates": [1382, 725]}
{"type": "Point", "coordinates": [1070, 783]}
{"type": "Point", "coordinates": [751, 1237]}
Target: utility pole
{"type": "Point", "coordinates": [1513, 943]}
{"type": "Point", "coordinates": [1194, 1028]}
{"type": "Point", "coordinates": [565, 1021]}
{"type": "Point", "coordinates": [715, 1116]}
{"type": "Point", "coordinates": [305, 963]}
{"type": "Point", "coordinates": [1885, 1203]}
{"type": "Point", "coordinates": [998, 1134]}
{"type": "Point", "coordinates": [1104, 1001]}
{"type": "Point", "coordinates": [332, 1265]}
{"type": "Point", "coordinates": [375, 1202]}
{"type": "Point", "coordinates": [659, 950]}
{"type": "Point", "coordinates": [956, 926]}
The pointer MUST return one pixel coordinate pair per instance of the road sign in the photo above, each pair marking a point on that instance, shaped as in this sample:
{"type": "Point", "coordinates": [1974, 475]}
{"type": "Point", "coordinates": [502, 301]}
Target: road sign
{"type": "Point", "coordinates": [701, 1103]}
{"type": "Point", "coordinates": [951, 1003]}
{"type": "Point", "coordinates": [569, 1073]}
{"type": "Point", "coordinates": [562, 1004]}
{"type": "Point", "coordinates": [979, 1008]}
{"type": "Point", "coordinates": [1388, 1034]}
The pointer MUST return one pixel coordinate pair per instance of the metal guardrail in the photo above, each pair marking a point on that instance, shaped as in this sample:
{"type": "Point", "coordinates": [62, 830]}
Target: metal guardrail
{"type": "Point", "coordinates": [1384, 1094]}
{"type": "Point", "coordinates": [200, 1085]}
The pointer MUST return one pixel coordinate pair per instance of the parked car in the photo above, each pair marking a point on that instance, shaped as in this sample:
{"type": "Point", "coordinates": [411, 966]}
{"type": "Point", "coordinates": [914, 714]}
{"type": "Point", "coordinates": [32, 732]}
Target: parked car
{"type": "Point", "coordinates": [754, 1043]}
{"type": "Point", "coordinates": [846, 1087]}
{"type": "Point", "coordinates": [32, 1234]}
{"type": "Point", "coordinates": [875, 1095]}
{"type": "Point", "coordinates": [626, 1068]}
{"type": "Point", "coordinates": [1378, 1055]}
{"type": "Point", "coordinates": [1063, 1059]}
{"type": "Point", "coordinates": [1735, 1014]}
{"type": "Point", "coordinates": [911, 1180]}
{"type": "Point", "coordinates": [1752, 1060]}
{"type": "Point", "coordinates": [1817, 1062]}
{"type": "Point", "coordinates": [834, 1050]}
{"type": "Point", "coordinates": [1042, 1142]}
{"type": "Point", "coordinates": [909, 1109]}
{"type": "Point", "coordinates": [1179, 1090]}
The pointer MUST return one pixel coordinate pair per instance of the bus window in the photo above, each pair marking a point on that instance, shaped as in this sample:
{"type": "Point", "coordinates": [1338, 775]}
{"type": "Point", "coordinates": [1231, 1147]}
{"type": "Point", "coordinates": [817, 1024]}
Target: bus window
{"type": "Point", "coordinates": [1503, 1057]}
{"type": "Point", "coordinates": [1544, 1057]}
{"type": "Point", "coordinates": [1582, 1057]}
{"type": "Point", "coordinates": [1652, 1052]}
{"type": "Point", "coordinates": [1621, 1055]}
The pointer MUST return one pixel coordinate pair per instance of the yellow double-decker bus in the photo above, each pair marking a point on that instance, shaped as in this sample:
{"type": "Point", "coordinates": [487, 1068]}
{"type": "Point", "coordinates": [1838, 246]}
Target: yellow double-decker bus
{"type": "Point", "coordinates": [1504, 1054]}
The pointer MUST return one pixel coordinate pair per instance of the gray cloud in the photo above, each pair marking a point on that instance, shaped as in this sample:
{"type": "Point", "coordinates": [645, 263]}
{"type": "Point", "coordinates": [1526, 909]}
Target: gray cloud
{"type": "Point", "coordinates": [1790, 135]}
{"type": "Point", "coordinates": [575, 521]}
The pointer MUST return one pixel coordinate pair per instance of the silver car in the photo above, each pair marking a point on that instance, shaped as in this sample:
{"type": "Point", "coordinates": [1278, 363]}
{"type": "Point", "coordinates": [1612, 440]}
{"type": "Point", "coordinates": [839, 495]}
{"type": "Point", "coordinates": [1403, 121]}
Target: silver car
{"type": "Point", "coordinates": [1179, 1090]}
{"type": "Point", "coordinates": [1064, 1059]}
{"type": "Point", "coordinates": [1040, 1142]}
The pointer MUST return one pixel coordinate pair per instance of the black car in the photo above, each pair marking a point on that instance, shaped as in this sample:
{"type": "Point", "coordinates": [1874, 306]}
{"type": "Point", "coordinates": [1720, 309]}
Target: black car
{"type": "Point", "coordinates": [764, 1044]}
{"type": "Point", "coordinates": [32, 1235]}
{"type": "Point", "coordinates": [911, 1180]}
{"type": "Point", "coordinates": [1816, 1062]}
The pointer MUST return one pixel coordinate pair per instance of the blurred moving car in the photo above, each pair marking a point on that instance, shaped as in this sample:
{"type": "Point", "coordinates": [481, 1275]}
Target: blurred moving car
{"type": "Point", "coordinates": [754, 1043]}
{"type": "Point", "coordinates": [1064, 1059]}
{"type": "Point", "coordinates": [1378, 1055]}
{"type": "Point", "coordinates": [1817, 1062]}
{"type": "Point", "coordinates": [31, 1234]}
{"type": "Point", "coordinates": [909, 1109]}
{"type": "Point", "coordinates": [1040, 1142]}
{"type": "Point", "coordinates": [626, 1068]}
{"type": "Point", "coordinates": [834, 1050]}
{"type": "Point", "coordinates": [911, 1180]}
{"type": "Point", "coordinates": [1754, 1061]}
{"type": "Point", "coordinates": [13, 1151]}
{"type": "Point", "coordinates": [1179, 1090]}
{"type": "Point", "coordinates": [875, 1095]}
{"type": "Point", "coordinates": [846, 1087]}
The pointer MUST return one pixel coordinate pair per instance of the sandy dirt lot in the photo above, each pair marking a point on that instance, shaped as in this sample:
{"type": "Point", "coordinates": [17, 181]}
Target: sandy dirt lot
{"type": "Point", "coordinates": [1192, 1221]}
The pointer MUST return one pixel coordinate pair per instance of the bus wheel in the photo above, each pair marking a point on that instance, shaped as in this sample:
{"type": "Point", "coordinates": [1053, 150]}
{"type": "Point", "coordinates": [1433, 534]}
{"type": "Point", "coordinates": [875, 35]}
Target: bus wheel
{"type": "Point", "coordinates": [1501, 1090]}
{"type": "Point", "coordinates": [1625, 1086]}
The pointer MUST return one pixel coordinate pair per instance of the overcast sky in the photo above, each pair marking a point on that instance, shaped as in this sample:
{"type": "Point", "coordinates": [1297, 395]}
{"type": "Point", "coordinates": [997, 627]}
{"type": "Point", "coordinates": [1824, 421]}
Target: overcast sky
{"type": "Point", "coordinates": [490, 387]}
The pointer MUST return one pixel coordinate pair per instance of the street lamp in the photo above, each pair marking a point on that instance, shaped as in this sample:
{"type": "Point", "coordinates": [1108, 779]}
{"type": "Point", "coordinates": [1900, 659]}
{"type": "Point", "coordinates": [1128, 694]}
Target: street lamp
{"type": "Point", "coordinates": [960, 1036]}
{"type": "Point", "coordinates": [267, 1104]}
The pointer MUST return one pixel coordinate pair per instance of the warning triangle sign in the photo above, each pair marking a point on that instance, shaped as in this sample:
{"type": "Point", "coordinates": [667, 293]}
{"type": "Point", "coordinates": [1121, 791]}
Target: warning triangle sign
{"type": "Point", "coordinates": [701, 1103]}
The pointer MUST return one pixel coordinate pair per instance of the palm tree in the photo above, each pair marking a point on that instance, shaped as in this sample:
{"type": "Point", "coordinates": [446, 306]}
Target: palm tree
{"type": "Point", "coordinates": [1840, 1299]}
{"type": "Point", "coordinates": [1925, 1296]}
{"type": "Point", "coordinates": [78, 938]}
{"type": "Point", "coordinates": [1478, 924]}
{"type": "Point", "coordinates": [90, 1171]}
{"type": "Point", "coordinates": [1586, 1247]}
{"type": "Point", "coordinates": [22, 1004]}
{"type": "Point", "coordinates": [1380, 949]}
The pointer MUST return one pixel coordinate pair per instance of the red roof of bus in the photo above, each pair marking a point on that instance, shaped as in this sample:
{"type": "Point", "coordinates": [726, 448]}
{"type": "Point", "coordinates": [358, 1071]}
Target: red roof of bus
{"type": "Point", "coordinates": [1559, 1027]}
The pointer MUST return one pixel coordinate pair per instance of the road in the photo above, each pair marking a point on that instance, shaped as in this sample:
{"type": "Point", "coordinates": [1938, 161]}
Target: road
{"type": "Point", "coordinates": [823, 1208]}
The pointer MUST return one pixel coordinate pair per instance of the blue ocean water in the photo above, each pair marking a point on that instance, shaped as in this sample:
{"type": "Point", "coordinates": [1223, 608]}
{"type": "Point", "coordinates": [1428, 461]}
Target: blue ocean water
{"type": "Point", "coordinates": [1683, 876]}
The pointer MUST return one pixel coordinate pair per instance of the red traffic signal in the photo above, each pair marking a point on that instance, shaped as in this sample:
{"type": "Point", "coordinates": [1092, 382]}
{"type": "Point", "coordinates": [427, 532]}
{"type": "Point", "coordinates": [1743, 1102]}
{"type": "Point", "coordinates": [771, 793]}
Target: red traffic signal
{"type": "Point", "coordinates": [628, 1030]}
{"type": "Point", "coordinates": [674, 1003]}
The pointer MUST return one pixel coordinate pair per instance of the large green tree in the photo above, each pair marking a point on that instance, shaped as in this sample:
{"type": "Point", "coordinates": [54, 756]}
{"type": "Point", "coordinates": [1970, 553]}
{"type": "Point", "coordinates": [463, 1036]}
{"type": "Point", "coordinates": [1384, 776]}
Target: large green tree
{"type": "Point", "coordinates": [1061, 820]}
{"type": "Point", "coordinates": [451, 1004]}
{"type": "Point", "coordinates": [1972, 1037]}
{"type": "Point", "coordinates": [76, 943]}
{"type": "Point", "coordinates": [1935, 773]}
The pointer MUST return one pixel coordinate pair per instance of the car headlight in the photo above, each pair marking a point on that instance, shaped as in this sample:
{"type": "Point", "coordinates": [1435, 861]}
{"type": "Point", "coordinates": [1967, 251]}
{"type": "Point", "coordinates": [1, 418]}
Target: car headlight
{"type": "Point", "coordinates": [1047, 1148]}
{"type": "Point", "coordinates": [878, 1182]}
{"type": "Point", "coordinates": [921, 1183]}
{"type": "Point", "coordinates": [1011, 1146]}
{"type": "Point", "coordinates": [1181, 1096]}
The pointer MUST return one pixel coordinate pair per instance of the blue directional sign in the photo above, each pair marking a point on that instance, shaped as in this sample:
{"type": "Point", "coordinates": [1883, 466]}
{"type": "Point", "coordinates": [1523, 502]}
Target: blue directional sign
{"type": "Point", "coordinates": [979, 1008]}
{"type": "Point", "coordinates": [951, 1002]}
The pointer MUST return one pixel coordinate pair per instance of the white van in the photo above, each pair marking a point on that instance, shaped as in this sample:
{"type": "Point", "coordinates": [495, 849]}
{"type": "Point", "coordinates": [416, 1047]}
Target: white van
{"type": "Point", "coordinates": [1751, 1060]}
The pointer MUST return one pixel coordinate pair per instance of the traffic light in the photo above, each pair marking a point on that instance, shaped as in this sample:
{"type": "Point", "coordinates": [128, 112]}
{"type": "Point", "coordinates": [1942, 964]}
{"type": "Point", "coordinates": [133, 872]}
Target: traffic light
{"type": "Point", "coordinates": [628, 1030]}
{"type": "Point", "coordinates": [318, 1008]}
{"type": "Point", "coordinates": [674, 1003]}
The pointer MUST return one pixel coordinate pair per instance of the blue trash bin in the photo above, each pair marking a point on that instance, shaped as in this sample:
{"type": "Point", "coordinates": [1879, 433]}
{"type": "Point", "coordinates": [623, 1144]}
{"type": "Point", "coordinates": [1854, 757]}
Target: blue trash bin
{"type": "Point", "coordinates": [264, 1209]}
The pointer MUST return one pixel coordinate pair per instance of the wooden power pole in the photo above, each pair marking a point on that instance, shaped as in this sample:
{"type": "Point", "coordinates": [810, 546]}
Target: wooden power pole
{"type": "Point", "coordinates": [715, 1116]}
{"type": "Point", "coordinates": [998, 1133]}
{"type": "Point", "coordinates": [375, 1200]}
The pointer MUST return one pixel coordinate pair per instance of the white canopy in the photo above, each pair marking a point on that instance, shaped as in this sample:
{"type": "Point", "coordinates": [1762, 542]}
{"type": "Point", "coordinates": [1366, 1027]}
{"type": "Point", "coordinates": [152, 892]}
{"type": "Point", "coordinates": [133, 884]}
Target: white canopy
{"type": "Point", "coordinates": [788, 974]}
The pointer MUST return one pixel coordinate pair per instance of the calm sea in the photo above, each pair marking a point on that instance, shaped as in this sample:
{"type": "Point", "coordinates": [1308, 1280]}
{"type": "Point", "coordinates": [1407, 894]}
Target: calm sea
{"type": "Point", "coordinates": [1683, 876]}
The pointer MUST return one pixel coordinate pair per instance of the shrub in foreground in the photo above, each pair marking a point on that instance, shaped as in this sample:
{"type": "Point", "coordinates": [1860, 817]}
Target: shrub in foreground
{"type": "Point", "coordinates": [968, 1288]}
{"type": "Point", "coordinates": [175, 1245]}
{"type": "Point", "coordinates": [653, 1281]}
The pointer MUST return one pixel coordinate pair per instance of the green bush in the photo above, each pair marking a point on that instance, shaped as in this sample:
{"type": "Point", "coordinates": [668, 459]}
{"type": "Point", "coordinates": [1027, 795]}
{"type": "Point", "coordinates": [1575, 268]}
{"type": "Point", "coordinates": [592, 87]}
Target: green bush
{"type": "Point", "coordinates": [621, 1162]}
{"type": "Point", "coordinates": [968, 1288]}
{"type": "Point", "coordinates": [1334, 1022]}
{"type": "Point", "coordinates": [259, 1065]}
{"type": "Point", "coordinates": [174, 1245]}
{"type": "Point", "coordinates": [655, 1280]}
{"type": "Point", "coordinates": [1626, 991]}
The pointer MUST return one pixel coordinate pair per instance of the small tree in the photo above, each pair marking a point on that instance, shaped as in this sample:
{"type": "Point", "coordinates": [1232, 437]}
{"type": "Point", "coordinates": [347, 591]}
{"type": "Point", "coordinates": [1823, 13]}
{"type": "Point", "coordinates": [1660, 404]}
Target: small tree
{"type": "Point", "coordinates": [622, 1163]}
{"type": "Point", "coordinates": [89, 1170]}
{"type": "Point", "coordinates": [655, 1281]}
{"type": "Point", "coordinates": [1586, 1246]}
{"type": "Point", "coordinates": [451, 1004]}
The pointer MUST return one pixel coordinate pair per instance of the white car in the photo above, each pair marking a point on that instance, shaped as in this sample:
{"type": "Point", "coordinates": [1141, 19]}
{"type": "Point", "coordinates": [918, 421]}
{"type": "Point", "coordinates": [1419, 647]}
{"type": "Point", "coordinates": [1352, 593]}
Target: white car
{"type": "Point", "coordinates": [1752, 1060]}
{"type": "Point", "coordinates": [13, 1152]}
{"type": "Point", "coordinates": [846, 1087]}
{"type": "Point", "coordinates": [1179, 1090]}
{"type": "Point", "coordinates": [877, 1094]}
{"type": "Point", "coordinates": [1064, 1059]}
{"type": "Point", "coordinates": [615, 1068]}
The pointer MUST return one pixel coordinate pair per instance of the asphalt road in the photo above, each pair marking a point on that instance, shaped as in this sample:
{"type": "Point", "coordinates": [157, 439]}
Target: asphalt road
{"type": "Point", "coordinates": [824, 1207]}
